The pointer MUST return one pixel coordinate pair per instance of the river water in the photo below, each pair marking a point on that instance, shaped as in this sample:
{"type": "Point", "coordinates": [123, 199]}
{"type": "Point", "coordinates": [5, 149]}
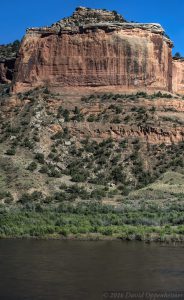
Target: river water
{"type": "Point", "coordinates": [62, 270]}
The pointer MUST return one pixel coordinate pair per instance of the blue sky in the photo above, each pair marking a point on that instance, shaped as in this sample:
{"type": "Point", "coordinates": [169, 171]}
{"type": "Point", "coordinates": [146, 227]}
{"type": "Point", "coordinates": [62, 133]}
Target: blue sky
{"type": "Point", "coordinates": [17, 15]}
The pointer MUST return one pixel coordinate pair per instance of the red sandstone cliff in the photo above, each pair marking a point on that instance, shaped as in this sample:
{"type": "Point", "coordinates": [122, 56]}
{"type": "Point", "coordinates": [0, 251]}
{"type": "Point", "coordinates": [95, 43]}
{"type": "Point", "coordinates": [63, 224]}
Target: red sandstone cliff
{"type": "Point", "coordinates": [95, 48]}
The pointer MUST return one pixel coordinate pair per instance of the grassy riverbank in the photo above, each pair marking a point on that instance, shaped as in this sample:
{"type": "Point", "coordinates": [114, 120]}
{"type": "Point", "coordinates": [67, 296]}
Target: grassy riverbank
{"type": "Point", "coordinates": [94, 221]}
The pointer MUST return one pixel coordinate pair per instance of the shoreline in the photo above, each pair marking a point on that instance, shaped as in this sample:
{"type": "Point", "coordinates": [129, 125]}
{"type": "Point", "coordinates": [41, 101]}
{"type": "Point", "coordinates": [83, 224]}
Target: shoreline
{"type": "Point", "coordinates": [100, 238]}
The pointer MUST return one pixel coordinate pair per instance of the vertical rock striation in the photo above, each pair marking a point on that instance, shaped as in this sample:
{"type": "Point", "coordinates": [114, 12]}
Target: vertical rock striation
{"type": "Point", "coordinates": [95, 48]}
{"type": "Point", "coordinates": [178, 76]}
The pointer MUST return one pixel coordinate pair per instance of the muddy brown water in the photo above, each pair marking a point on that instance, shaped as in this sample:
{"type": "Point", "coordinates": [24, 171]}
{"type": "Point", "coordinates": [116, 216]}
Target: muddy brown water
{"type": "Point", "coordinates": [77, 270]}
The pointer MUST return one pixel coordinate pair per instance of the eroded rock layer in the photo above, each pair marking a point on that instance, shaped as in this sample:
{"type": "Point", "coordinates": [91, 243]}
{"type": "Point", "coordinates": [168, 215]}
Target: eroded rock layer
{"type": "Point", "coordinates": [103, 51]}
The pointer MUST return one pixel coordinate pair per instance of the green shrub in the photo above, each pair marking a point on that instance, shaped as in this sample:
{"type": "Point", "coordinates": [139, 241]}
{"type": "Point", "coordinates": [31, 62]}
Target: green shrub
{"type": "Point", "coordinates": [40, 158]}
{"type": "Point", "coordinates": [11, 151]}
{"type": "Point", "coordinates": [98, 194]}
{"type": "Point", "coordinates": [25, 198]}
{"type": "Point", "coordinates": [116, 120]}
{"type": "Point", "coordinates": [79, 177]}
{"type": "Point", "coordinates": [32, 166]}
{"type": "Point", "coordinates": [66, 115]}
{"type": "Point", "coordinates": [27, 143]}
{"type": "Point", "coordinates": [91, 118]}
{"type": "Point", "coordinates": [53, 172]}
{"type": "Point", "coordinates": [118, 175]}
{"type": "Point", "coordinates": [57, 135]}
{"type": "Point", "coordinates": [43, 169]}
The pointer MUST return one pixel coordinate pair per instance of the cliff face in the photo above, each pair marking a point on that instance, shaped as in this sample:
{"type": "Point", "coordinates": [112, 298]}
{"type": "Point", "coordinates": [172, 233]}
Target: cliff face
{"type": "Point", "coordinates": [178, 76]}
{"type": "Point", "coordinates": [95, 48]}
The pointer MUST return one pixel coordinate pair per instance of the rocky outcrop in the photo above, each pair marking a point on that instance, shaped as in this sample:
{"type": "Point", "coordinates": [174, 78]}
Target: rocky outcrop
{"type": "Point", "coordinates": [84, 16]}
{"type": "Point", "coordinates": [152, 135]}
{"type": "Point", "coordinates": [178, 75]}
{"type": "Point", "coordinates": [95, 48]}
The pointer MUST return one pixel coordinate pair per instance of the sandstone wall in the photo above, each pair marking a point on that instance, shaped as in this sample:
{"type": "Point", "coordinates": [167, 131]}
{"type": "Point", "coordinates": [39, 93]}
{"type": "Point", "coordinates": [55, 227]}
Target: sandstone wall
{"type": "Point", "coordinates": [178, 76]}
{"type": "Point", "coordinates": [134, 56]}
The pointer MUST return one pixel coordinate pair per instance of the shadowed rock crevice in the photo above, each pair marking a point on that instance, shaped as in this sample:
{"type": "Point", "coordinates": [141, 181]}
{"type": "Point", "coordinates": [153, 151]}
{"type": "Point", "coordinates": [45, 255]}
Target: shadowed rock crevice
{"type": "Point", "coordinates": [8, 55]}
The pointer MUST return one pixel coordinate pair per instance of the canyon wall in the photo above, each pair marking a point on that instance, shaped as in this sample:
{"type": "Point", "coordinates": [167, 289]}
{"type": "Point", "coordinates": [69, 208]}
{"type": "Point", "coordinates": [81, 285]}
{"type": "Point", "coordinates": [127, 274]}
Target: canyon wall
{"type": "Point", "coordinates": [178, 76]}
{"type": "Point", "coordinates": [101, 50]}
